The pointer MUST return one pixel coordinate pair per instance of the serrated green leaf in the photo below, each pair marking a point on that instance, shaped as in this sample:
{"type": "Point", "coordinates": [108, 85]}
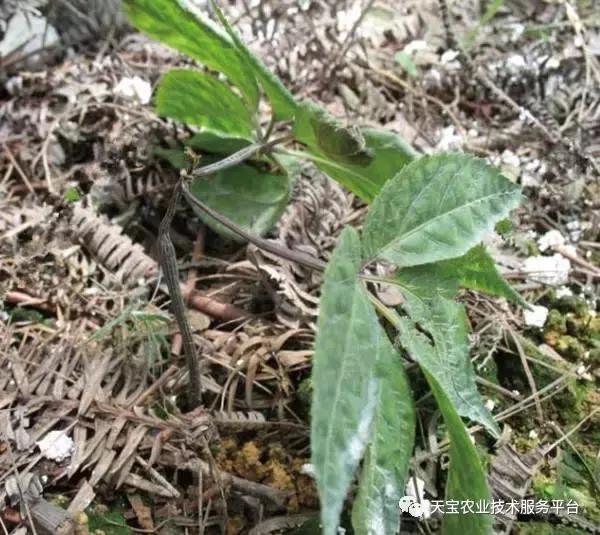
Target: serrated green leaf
{"type": "Point", "coordinates": [389, 154]}
{"type": "Point", "coordinates": [251, 198]}
{"type": "Point", "coordinates": [349, 343]}
{"type": "Point", "coordinates": [197, 98]}
{"type": "Point", "coordinates": [216, 142]}
{"type": "Point", "coordinates": [179, 24]}
{"type": "Point", "coordinates": [478, 272]}
{"type": "Point", "coordinates": [466, 478]}
{"type": "Point", "coordinates": [474, 270]}
{"type": "Point", "coordinates": [436, 208]}
{"type": "Point", "coordinates": [283, 104]}
{"type": "Point", "coordinates": [385, 468]}
{"type": "Point", "coordinates": [444, 353]}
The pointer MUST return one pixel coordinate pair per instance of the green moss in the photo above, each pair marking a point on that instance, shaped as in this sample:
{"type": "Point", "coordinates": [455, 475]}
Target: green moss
{"type": "Point", "coordinates": [571, 303]}
{"type": "Point", "coordinates": [555, 322]}
{"type": "Point", "coordinates": [109, 522]}
{"type": "Point", "coordinates": [572, 479]}
{"type": "Point", "coordinates": [304, 394]}
{"type": "Point", "coordinates": [570, 347]}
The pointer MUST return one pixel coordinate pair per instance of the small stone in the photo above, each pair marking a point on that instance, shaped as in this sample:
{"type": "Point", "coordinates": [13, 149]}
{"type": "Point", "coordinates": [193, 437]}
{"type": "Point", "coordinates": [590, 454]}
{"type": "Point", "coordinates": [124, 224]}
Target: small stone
{"type": "Point", "coordinates": [56, 446]}
{"type": "Point", "coordinates": [551, 239]}
{"type": "Point", "coordinates": [553, 269]}
{"type": "Point", "coordinates": [134, 89]}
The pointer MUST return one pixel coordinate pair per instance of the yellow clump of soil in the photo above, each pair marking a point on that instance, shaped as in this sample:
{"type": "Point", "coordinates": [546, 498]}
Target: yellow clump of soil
{"type": "Point", "coordinates": [570, 329]}
{"type": "Point", "coordinates": [306, 488]}
{"type": "Point", "coordinates": [271, 466]}
{"type": "Point", "coordinates": [247, 462]}
{"type": "Point", "coordinates": [225, 453]}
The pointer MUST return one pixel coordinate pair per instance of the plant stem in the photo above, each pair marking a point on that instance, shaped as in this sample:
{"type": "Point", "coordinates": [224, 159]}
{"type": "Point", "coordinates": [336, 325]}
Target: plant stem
{"type": "Point", "coordinates": [168, 260]}
{"type": "Point", "coordinates": [168, 257]}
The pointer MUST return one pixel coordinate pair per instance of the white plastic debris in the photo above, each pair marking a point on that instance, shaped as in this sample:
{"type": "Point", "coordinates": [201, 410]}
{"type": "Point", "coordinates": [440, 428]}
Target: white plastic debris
{"type": "Point", "coordinates": [510, 158]}
{"type": "Point", "coordinates": [551, 239]}
{"type": "Point", "coordinates": [56, 446]}
{"type": "Point", "coordinates": [449, 139]}
{"type": "Point", "coordinates": [450, 59]}
{"type": "Point", "coordinates": [548, 269]}
{"type": "Point", "coordinates": [449, 56]}
{"type": "Point", "coordinates": [532, 174]}
{"type": "Point", "coordinates": [490, 404]}
{"type": "Point", "coordinates": [583, 373]}
{"type": "Point", "coordinates": [515, 63]}
{"type": "Point", "coordinates": [415, 45]}
{"type": "Point", "coordinates": [575, 230]}
{"type": "Point", "coordinates": [134, 89]}
{"type": "Point", "coordinates": [517, 31]}
{"type": "Point", "coordinates": [533, 434]}
{"type": "Point", "coordinates": [308, 469]}
{"type": "Point", "coordinates": [536, 317]}
{"type": "Point", "coordinates": [563, 291]}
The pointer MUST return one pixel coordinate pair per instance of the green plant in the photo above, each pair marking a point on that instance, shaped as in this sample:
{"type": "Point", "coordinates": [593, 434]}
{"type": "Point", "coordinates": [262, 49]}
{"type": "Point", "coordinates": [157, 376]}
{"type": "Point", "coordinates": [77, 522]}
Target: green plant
{"type": "Point", "coordinates": [427, 217]}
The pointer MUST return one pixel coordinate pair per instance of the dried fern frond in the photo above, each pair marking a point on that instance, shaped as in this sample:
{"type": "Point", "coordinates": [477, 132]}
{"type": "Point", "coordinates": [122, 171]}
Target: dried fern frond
{"type": "Point", "coordinates": [116, 251]}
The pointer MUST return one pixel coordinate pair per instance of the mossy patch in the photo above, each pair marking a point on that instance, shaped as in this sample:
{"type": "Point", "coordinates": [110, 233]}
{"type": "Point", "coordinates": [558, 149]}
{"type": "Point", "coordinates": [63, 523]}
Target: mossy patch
{"type": "Point", "coordinates": [108, 522]}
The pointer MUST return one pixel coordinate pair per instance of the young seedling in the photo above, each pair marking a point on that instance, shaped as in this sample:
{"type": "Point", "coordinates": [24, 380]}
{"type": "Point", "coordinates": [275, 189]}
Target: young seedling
{"type": "Point", "coordinates": [426, 219]}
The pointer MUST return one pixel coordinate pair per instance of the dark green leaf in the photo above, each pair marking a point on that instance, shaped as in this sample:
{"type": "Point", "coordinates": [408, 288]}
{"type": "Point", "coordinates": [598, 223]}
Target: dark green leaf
{"type": "Point", "coordinates": [319, 130]}
{"type": "Point", "coordinates": [181, 25]}
{"type": "Point", "coordinates": [349, 343]}
{"type": "Point", "coordinates": [216, 142]}
{"type": "Point", "coordinates": [475, 270]}
{"type": "Point", "coordinates": [436, 208]}
{"type": "Point", "coordinates": [447, 358]}
{"type": "Point", "coordinates": [175, 156]}
{"type": "Point", "coordinates": [390, 153]}
{"type": "Point", "coordinates": [466, 477]}
{"type": "Point", "coordinates": [251, 198]}
{"type": "Point", "coordinates": [193, 97]}
{"type": "Point", "coordinates": [385, 469]}
{"type": "Point", "coordinates": [283, 104]}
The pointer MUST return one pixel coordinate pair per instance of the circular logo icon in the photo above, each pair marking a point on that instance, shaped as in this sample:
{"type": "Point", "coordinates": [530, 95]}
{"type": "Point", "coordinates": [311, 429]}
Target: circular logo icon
{"type": "Point", "coordinates": [405, 502]}
{"type": "Point", "coordinates": [415, 509]}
